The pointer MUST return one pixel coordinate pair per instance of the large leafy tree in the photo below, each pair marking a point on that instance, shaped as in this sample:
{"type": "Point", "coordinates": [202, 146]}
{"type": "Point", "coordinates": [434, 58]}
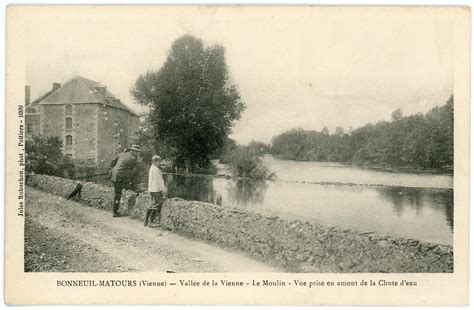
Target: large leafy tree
{"type": "Point", "coordinates": [192, 102]}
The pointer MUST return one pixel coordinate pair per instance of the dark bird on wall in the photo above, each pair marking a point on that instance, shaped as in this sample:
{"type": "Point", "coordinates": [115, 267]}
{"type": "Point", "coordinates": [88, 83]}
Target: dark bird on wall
{"type": "Point", "coordinates": [76, 191]}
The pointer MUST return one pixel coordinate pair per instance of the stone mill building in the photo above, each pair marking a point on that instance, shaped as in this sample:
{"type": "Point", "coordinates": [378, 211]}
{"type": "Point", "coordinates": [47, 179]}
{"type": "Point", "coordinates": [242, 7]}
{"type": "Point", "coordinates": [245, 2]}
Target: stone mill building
{"type": "Point", "coordinates": [93, 124]}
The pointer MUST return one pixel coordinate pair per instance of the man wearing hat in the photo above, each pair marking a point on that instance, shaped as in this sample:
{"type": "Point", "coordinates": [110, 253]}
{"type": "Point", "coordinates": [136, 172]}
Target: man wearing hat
{"type": "Point", "coordinates": [123, 174]}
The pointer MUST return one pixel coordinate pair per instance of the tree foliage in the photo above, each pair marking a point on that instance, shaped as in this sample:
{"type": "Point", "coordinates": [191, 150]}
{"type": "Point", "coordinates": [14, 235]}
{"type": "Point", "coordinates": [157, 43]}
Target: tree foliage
{"type": "Point", "coordinates": [415, 141]}
{"type": "Point", "coordinates": [245, 160]}
{"type": "Point", "coordinates": [247, 164]}
{"type": "Point", "coordinates": [192, 102]}
{"type": "Point", "coordinates": [225, 153]}
{"type": "Point", "coordinates": [44, 155]}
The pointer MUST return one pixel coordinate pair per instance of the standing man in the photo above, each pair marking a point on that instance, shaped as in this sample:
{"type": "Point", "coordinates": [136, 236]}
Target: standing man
{"type": "Point", "coordinates": [157, 189]}
{"type": "Point", "coordinates": [124, 174]}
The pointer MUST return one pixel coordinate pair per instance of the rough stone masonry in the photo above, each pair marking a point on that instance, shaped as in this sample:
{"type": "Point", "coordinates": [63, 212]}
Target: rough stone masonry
{"type": "Point", "coordinates": [296, 245]}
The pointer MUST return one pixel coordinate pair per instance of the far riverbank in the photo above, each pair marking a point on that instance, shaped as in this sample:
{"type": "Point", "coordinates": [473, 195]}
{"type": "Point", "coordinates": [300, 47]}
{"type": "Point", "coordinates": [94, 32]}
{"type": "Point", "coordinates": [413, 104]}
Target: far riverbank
{"type": "Point", "coordinates": [447, 170]}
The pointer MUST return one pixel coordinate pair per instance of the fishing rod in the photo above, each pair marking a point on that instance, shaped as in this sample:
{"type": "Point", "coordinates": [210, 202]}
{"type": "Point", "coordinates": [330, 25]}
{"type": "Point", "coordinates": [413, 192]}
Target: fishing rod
{"type": "Point", "coordinates": [166, 173]}
{"type": "Point", "coordinates": [90, 176]}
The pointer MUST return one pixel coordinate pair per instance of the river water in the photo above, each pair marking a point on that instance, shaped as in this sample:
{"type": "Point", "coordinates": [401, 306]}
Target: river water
{"type": "Point", "coordinates": [410, 205]}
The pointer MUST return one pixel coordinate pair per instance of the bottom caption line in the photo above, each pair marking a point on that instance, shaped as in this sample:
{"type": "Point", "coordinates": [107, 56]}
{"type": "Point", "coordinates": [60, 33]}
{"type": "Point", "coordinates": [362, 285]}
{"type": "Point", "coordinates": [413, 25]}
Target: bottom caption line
{"type": "Point", "coordinates": [228, 283]}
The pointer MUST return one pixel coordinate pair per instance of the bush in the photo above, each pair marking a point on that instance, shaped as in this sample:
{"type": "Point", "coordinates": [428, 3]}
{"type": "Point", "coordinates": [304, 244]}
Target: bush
{"type": "Point", "coordinates": [44, 156]}
{"type": "Point", "coordinates": [246, 164]}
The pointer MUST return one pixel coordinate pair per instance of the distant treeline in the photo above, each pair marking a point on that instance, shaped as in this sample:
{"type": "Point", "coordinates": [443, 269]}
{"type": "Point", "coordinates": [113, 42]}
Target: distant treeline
{"type": "Point", "coordinates": [415, 141]}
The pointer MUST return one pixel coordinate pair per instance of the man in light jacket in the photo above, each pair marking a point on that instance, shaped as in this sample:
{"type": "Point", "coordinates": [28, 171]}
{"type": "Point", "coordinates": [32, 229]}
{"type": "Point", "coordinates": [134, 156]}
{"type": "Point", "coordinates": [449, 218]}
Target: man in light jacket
{"type": "Point", "coordinates": [157, 189]}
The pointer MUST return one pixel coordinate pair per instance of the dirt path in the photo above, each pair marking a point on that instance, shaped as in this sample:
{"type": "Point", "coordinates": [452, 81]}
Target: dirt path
{"type": "Point", "coordinates": [67, 236]}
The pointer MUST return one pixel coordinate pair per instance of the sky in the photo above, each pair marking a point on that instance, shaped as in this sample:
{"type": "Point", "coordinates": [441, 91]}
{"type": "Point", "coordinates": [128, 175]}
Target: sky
{"type": "Point", "coordinates": [307, 67]}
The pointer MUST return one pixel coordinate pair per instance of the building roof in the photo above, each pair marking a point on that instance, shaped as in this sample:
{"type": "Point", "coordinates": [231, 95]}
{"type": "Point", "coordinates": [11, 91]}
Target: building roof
{"type": "Point", "coordinates": [32, 107]}
{"type": "Point", "coordinates": [41, 98]}
{"type": "Point", "coordinates": [82, 90]}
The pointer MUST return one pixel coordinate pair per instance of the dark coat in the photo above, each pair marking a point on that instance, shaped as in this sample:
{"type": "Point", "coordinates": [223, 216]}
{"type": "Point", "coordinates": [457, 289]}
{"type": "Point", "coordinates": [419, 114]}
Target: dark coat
{"type": "Point", "coordinates": [124, 168]}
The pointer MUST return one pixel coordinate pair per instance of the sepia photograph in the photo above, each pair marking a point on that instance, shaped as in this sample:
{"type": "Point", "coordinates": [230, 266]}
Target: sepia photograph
{"type": "Point", "coordinates": [241, 140]}
{"type": "Point", "coordinates": [274, 154]}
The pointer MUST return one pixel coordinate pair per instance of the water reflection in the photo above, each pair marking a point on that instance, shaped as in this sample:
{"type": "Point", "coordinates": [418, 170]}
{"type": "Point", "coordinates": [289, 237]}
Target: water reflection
{"type": "Point", "coordinates": [200, 188]}
{"type": "Point", "coordinates": [403, 198]}
{"type": "Point", "coordinates": [243, 193]}
{"type": "Point", "coordinates": [246, 192]}
{"type": "Point", "coordinates": [419, 213]}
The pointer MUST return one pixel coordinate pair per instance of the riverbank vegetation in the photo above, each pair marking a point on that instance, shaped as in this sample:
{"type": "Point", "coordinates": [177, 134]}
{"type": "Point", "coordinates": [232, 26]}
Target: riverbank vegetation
{"type": "Point", "coordinates": [416, 141]}
{"type": "Point", "coordinates": [245, 160]}
{"type": "Point", "coordinates": [248, 165]}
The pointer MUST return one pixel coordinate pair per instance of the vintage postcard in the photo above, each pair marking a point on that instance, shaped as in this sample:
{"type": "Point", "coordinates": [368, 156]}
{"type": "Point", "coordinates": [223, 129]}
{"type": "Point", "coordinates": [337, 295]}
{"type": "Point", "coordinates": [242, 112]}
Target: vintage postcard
{"type": "Point", "coordinates": [237, 155]}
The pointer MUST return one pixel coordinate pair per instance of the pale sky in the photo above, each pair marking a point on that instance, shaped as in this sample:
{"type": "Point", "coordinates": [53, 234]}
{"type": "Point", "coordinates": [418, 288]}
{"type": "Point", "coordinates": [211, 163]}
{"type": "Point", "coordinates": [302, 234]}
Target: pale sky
{"type": "Point", "coordinates": [294, 66]}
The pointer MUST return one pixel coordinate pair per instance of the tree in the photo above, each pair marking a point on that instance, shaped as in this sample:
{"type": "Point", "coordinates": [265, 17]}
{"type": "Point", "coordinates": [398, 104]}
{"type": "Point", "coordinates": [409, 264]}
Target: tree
{"type": "Point", "coordinates": [339, 131]}
{"type": "Point", "coordinates": [193, 103]}
{"type": "Point", "coordinates": [148, 143]}
{"type": "Point", "coordinates": [258, 147]}
{"type": "Point", "coordinates": [397, 115]}
{"type": "Point", "coordinates": [224, 154]}
{"type": "Point", "coordinates": [44, 156]}
{"type": "Point", "coordinates": [248, 165]}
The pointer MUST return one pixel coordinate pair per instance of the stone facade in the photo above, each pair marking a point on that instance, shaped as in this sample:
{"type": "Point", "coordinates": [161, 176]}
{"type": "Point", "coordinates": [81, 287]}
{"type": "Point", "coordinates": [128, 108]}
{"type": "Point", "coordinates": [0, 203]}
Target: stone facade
{"type": "Point", "coordinates": [52, 120]}
{"type": "Point", "coordinates": [296, 245]}
{"type": "Point", "coordinates": [83, 132]}
{"type": "Point", "coordinates": [116, 130]}
{"type": "Point", "coordinates": [33, 124]}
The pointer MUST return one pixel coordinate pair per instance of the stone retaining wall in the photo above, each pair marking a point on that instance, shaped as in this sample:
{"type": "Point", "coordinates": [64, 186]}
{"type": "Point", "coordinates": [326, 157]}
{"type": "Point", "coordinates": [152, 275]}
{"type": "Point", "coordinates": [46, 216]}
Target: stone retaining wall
{"type": "Point", "coordinates": [298, 246]}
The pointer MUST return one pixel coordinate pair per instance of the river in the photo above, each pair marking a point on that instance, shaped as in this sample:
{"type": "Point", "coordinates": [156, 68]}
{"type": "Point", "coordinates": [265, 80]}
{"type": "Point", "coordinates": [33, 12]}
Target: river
{"type": "Point", "coordinates": [410, 205]}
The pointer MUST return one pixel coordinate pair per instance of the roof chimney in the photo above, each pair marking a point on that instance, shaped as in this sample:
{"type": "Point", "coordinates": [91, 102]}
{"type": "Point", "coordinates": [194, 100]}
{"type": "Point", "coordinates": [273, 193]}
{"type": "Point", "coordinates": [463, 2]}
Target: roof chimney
{"type": "Point", "coordinates": [56, 86]}
{"type": "Point", "coordinates": [101, 89]}
{"type": "Point", "coordinates": [27, 95]}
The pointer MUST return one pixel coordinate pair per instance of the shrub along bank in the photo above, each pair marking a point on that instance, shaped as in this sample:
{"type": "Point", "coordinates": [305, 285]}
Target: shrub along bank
{"type": "Point", "coordinates": [298, 246]}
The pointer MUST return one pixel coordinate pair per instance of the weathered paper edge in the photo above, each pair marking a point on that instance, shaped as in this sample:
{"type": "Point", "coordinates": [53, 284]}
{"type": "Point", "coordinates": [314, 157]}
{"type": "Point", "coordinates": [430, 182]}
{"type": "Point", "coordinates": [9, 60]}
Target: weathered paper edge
{"type": "Point", "coordinates": [39, 288]}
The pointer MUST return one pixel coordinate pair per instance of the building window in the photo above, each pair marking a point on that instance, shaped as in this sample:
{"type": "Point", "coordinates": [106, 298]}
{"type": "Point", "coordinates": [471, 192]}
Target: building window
{"type": "Point", "coordinates": [30, 128]}
{"type": "Point", "coordinates": [68, 123]}
{"type": "Point", "coordinates": [69, 156]}
{"type": "Point", "coordinates": [68, 140]}
{"type": "Point", "coordinates": [68, 109]}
